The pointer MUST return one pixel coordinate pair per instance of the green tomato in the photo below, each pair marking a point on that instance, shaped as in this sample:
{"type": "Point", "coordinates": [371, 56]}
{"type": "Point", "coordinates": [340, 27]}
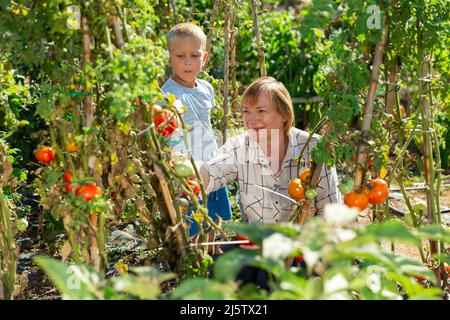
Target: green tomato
{"type": "Point", "coordinates": [22, 224]}
{"type": "Point", "coordinates": [346, 186]}
{"type": "Point", "coordinates": [420, 207]}
{"type": "Point", "coordinates": [310, 194]}
{"type": "Point", "coordinates": [183, 169]}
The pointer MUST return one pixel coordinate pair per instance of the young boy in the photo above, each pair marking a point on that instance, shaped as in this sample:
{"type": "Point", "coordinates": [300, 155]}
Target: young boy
{"type": "Point", "coordinates": [187, 55]}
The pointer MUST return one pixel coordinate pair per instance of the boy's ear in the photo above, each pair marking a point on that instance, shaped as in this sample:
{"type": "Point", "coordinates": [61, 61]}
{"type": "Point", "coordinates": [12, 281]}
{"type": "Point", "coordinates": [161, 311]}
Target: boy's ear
{"type": "Point", "coordinates": [205, 56]}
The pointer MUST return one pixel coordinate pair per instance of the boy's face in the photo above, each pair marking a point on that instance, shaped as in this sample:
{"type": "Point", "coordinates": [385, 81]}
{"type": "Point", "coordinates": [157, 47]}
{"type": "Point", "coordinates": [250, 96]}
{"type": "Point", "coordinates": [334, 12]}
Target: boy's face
{"type": "Point", "coordinates": [262, 117]}
{"type": "Point", "coordinates": [186, 58]}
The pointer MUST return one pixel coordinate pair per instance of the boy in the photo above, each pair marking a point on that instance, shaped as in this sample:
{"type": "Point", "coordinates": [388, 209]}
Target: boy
{"type": "Point", "coordinates": [187, 55]}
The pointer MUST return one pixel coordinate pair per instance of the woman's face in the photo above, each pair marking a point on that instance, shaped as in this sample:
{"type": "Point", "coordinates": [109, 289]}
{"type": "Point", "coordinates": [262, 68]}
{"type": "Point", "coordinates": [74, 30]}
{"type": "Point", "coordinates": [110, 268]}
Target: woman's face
{"type": "Point", "coordinates": [263, 117]}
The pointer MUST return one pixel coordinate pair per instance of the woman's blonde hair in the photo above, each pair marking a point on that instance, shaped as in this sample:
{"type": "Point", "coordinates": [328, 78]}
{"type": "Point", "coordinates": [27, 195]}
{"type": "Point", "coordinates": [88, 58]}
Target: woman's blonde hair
{"type": "Point", "coordinates": [187, 29]}
{"type": "Point", "coordinates": [278, 95]}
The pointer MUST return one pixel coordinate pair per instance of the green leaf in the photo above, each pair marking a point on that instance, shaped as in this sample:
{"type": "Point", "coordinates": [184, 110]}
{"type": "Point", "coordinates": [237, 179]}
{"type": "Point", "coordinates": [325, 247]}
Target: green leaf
{"type": "Point", "coordinates": [200, 288]}
{"type": "Point", "coordinates": [45, 109]}
{"type": "Point", "coordinates": [391, 230]}
{"type": "Point", "coordinates": [395, 263]}
{"type": "Point", "coordinates": [434, 232]}
{"type": "Point", "coordinates": [52, 177]}
{"type": "Point", "coordinates": [73, 281]}
{"type": "Point", "coordinates": [228, 265]}
{"type": "Point", "coordinates": [146, 285]}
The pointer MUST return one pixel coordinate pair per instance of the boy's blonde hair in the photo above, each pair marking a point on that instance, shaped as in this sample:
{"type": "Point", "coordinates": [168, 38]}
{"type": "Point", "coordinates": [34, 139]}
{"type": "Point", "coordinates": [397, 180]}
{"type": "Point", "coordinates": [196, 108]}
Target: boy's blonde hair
{"type": "Point", "coordinates": [278, 94]}
{"type": "Point", "coordinates": [187, 30]}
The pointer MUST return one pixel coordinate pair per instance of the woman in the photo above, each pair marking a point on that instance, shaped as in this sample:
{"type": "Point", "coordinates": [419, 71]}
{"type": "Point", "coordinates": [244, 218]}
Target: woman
{"type": "Point", "coordinates": [264, 159]}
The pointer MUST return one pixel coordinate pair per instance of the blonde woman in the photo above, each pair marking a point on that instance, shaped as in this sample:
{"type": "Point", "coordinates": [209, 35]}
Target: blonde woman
{"type": "Point", "coordinates": [264, 159]}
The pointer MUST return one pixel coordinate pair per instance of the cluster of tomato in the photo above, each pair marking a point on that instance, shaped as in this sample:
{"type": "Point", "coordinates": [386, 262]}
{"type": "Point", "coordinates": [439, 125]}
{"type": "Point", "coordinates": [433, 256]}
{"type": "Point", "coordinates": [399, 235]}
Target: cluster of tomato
{"type": "Point", "coordinates": [299, 189]}
{"type": "Point", "coordinates": [165, 121]}
{"type": "Point", "coordinates": [88, 191]}
{"type": "Point", "coordinates": [376, 192]}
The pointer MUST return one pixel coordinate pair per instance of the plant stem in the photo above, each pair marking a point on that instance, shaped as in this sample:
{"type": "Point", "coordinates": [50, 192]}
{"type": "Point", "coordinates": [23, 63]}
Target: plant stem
{"type": "Point", "coordinates": [226, 68]}
{"type": "Point", "coordinates": [423, 102]}
{"type": "Point", "coordinates": [261, 58]}
{"type": "Point", "coordinates": [367, 120]}
{"type": "Point", "coordinates": [8, 258]}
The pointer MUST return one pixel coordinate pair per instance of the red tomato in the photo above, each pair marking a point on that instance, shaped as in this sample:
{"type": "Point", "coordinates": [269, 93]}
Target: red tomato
{"type": "Point", "coordinates": [88, 191]}
{"type": "Point", "coordinates": [378, 192]}
{"type": "Point", "coordinates": [45, 155]}
{"type": "Point", "coordinates": [305, 175]}
{"type": "Point", "coordinates": [165, 122]}
{"type": "Point", "coordinates": [295, 189]}
{"type": "Point", "coordinates": [68, 177]}
{"type": "Point", "coordinates": [356, 199]}
{"type": "Point", "coordinates": [195, 186]}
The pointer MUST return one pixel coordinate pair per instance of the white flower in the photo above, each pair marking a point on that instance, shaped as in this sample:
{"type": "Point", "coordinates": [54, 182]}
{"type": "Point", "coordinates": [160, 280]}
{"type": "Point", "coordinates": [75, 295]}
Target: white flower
{"type": "Point", "coordinates": [339, 214]}
{"type": "Point", "coordinates": [311, 257]}
{"type": "Point", "coordinates": [278, 246]}
{"type": "Point", "coordinates": [285, 285]}
{"type": "Point", "coordinates": [374, 282]}
{"type": "Point", "coordinates": [338, 282]}
{"type": "Point", "coordinates": [339, 296]}
{"type": "Point", "coordinates": [345, 235]}
{"type": "Point", "coordinates": [390, 295]}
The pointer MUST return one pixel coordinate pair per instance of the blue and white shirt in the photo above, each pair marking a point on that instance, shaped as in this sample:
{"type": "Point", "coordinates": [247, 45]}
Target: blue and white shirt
{"type": "Point", "coordinates": [199, 101]}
